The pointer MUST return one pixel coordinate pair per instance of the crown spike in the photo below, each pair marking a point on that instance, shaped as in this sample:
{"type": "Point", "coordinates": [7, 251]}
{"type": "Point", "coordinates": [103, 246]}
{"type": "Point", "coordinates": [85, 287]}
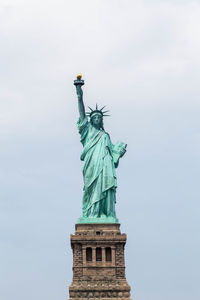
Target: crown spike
{"type": "Point", "coordinates": [96, 106]}
{"type": "Point", "coordinates": [90, 108]}
{"type": "Point", "coordinates": [102, 108]}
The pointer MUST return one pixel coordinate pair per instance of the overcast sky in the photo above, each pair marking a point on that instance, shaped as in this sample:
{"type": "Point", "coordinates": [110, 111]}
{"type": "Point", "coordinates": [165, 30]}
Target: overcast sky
{"type": "Point", "coordinates": [142, 60]}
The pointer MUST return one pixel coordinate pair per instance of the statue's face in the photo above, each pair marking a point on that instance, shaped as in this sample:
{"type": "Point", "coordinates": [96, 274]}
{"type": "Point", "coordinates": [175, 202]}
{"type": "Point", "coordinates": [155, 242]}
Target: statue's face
{"type": "Point", "coordinates": [96, 120]}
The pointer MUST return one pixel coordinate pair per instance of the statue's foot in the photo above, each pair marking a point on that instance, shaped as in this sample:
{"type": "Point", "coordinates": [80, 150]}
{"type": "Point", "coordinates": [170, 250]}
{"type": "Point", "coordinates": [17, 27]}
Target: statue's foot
{"type": "Point", "coordinates": [103, 216]}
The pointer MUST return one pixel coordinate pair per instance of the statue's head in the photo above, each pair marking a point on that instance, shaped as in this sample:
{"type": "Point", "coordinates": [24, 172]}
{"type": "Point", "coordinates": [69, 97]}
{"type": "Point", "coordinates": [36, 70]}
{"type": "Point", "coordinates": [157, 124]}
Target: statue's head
{"type": "Point", "coordinates": [97, 120]}
{"type": "Point", "coordinates": [96, 117]}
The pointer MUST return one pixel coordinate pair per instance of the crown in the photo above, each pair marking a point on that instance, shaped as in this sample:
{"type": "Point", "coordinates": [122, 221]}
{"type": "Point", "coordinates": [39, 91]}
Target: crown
{"type": "Point", "coordinates": [97, 111]}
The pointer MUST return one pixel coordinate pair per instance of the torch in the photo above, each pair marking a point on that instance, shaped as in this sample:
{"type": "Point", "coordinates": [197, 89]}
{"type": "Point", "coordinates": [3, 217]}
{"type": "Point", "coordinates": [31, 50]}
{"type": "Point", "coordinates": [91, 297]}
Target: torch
{"type": "Point", "coordinates": [79, 81]}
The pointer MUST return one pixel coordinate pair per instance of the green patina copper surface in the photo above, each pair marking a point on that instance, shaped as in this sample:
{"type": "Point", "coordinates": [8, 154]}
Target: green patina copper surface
{"type": "Point", "coordinates": [100, 158]}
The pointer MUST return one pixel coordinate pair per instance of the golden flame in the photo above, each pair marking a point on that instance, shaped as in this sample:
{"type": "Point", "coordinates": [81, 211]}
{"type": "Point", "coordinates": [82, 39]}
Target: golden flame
{"type": "Point", "coordinates": [79, 76]}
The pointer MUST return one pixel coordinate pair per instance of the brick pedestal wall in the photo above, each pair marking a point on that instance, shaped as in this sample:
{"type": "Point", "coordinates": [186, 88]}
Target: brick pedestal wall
{"type": "Point", "coordinates": [98, 273]}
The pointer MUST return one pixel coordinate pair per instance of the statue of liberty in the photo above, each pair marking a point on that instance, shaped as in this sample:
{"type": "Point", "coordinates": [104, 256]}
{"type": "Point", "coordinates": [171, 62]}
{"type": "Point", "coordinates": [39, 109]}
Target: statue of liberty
{"type": "Point", "coordinates": [100, 158]}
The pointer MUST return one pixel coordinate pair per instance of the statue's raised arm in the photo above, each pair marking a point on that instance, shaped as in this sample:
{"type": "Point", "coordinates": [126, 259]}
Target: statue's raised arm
{"type": "Point", "coordinates": [78, 83]}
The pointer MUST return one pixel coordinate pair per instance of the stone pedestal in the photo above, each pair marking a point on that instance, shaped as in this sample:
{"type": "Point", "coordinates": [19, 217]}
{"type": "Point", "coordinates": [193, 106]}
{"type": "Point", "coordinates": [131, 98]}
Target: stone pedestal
{"type": "Point", "coordinates": [98, 263]}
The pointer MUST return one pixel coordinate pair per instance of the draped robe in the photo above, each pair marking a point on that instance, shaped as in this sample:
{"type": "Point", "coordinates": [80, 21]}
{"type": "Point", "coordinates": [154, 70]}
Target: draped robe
{"type": "Point", "coordinates": [99, 193]}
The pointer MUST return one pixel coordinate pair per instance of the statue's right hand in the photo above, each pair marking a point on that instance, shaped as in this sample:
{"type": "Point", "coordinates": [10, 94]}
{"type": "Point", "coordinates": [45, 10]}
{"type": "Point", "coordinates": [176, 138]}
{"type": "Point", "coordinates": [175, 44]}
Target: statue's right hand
{"type": "Point", "coordinates": [79, 90]}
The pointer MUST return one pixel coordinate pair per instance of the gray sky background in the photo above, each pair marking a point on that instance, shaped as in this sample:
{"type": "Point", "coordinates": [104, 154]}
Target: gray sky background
{"type": "Point", "coordinates": [141, 59]}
